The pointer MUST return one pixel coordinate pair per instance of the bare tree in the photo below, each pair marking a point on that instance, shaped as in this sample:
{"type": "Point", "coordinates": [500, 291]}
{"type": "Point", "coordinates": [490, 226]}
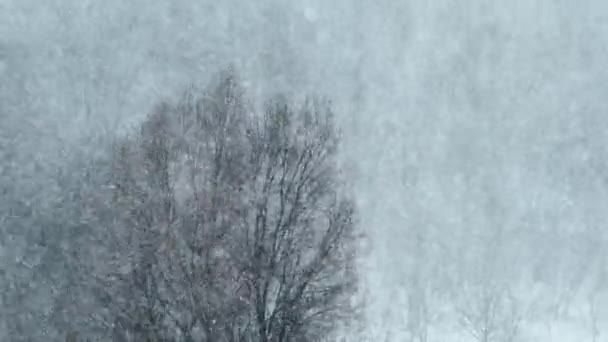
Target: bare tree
{"type": "Point", "coordinates": [229, 224]}
{"type": "Point", "coordinates": [490, 313]}
{"type": "Point", "coordinates": [488, 309]}
{"type": "Point", "coordinates": [296, 233]}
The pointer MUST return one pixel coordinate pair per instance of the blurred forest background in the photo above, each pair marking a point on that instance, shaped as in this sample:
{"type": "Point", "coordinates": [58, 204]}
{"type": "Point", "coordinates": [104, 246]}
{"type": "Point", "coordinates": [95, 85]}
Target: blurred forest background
{"type": "Point", "coordinates": [472, 142]}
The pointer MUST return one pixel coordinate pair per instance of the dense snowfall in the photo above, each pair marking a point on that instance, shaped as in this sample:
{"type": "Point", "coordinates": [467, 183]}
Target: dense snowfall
{"type": "Point", "coordinates": [473, 142]}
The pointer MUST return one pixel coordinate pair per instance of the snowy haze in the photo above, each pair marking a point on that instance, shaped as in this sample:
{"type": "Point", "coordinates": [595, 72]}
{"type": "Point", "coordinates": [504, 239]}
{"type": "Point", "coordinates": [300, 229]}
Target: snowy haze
{"type": "Point", "coordinates": [474, 132]}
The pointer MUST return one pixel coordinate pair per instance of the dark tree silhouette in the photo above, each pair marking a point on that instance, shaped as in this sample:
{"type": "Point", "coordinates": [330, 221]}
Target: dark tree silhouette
{"type": "Point", "coordinates": [229, 223]}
